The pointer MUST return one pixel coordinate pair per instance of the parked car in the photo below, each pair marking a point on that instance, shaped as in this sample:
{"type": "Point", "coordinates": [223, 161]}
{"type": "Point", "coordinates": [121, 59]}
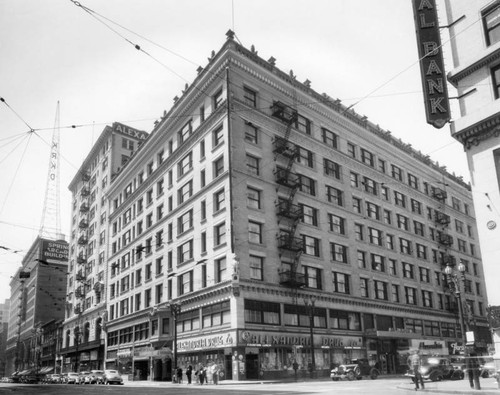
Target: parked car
{"type": "Point", "coordinates": [72, 378]}
{"type": "Point", "coordinates": [98, 376]}
{"type": "Point", "coordinates": [55, 378]}
{"type": "Point", "coordinates": [112, 376]}
{"type": "Point", "coordinates": [434, 369]}
{"type": "Point", "coordinates": [488, 370]}
{"type": "Point", "coordinates": [355, 370]}
{"type": "Point", "coordinates": [85, 378]}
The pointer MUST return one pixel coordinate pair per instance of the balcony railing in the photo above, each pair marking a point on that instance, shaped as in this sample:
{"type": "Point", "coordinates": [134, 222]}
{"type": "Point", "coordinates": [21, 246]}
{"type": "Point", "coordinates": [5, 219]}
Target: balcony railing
{"type": "Point", "coordinates": [83, 224]}
{"type": "Point", "coordinates": [288, 210]}
{"type": "Point", "coordinates": [84, 207]}
{"type": "Point", "coordinates": [445, 239]}
{"type": "Point", "coordinates": [285, 148]}
{"type": "Point", "coordinates": [292, 279]}
{"type": "Point", "coordinates": [439, 194]}
{"type": "Point", "coordinates": [83, 240]}
{"type": "Point", "coordinates": [441, 218]}
{"type": "Point", "coordinates": [80, 259]}
{"type": "Point", "coordinates": [287, 178]}
{"type": "Point", "coordinates": [291, 243]}
{"type": "Point", "coordinates": [85, 191]}
{"type": "Point", "coordinates": [283, 112]}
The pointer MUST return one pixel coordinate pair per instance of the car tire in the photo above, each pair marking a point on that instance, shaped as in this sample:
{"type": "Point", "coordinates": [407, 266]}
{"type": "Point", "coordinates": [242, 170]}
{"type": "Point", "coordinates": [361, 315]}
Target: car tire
{"type": "Point", "coordinates": [350, 376]}
{"type": "Point", "coordinates": [373, 375]}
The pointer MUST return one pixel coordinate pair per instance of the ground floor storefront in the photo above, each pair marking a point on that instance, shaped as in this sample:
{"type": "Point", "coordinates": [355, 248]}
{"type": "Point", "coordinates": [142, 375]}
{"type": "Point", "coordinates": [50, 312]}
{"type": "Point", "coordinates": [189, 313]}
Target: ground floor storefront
{"type": "Point", "coordinates": [85, 360]}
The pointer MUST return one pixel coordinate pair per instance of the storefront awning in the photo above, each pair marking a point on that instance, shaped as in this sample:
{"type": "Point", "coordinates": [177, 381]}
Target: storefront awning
{"type": "Point", "coordinates": [46, 369]}
{"type": "Point", "coordinates": [26, 372]}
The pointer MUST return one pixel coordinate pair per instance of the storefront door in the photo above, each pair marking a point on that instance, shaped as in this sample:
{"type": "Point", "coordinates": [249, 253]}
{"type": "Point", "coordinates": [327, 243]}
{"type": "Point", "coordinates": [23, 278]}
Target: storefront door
{"type": "Point", "coordinates": [252, 366]}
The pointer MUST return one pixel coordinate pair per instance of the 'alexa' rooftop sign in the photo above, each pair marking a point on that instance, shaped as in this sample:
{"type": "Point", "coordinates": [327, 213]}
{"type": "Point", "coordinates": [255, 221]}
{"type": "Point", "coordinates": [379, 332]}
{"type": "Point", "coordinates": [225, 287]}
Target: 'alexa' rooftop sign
{"type": "Point", "coordinates": [437, 107]}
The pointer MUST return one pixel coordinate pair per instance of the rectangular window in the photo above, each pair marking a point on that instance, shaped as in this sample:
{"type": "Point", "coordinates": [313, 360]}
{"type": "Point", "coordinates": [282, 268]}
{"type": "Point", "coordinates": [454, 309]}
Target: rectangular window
{"type": "Point", "coordinates": [356, 205]}
{"type": "Point", "coordinates": [329, 138]}
{"type": "Point", "coordinates": [185, 283]}
{"type": "Point", "coordinates": [359, 232]}
{"type": "Point", "coordinates": [303, 124]}
{"type": "Point", "coordinates": [491, 23]}
{"type": "Point", "coordinates": [311, 245]}
{"type": "Point", "coordinates": [334, 196]}
{"type": "Point", "coordinates": [411, 295]}
{"type": "Point", "coordinates": [220, 270]}
{"type": "Point", "coordinates": [341, 283]}
{"type": "Point", "coordinates": [363, 285]}
{"type": "Point", "coordinates": [185, 192]}
{"type": "Point", "coordinates": [312, 277]}
{"type": "Point", "coordinates": [351, 150]}
{"type": "Point", "coordinates": [305, 157]}
{"type": "Point", "coordinates": [412, 181]}
{"type": "Point", "coordinates": [307, 185]}
{"type": "Point", "coordinates": [405, 246]}
{"type": "Point", "coordinates": [345, 320]}
{"type": "Point", "coordinates": [402, 222]}
{"type": "Point", "coordinates": [256, 264]}
{"type": "Point", "coordinates": [251, 133]}
{"type": "Point", "coordinates": [185, 251]}
{"type": "Point", "coordinates": [395, 293]}
{"type": "Point", "coordinates": [408, 270]}
{"type": "Point", "coordinates": [367, 157]}
{"type": "Point", "coordinates": [372, 210]}
{"type": "Point", "coordinates": [338, 253]}
{"type": "Point", "coordinates": [254, 232]}
{"type": "Point", "coordinates": [399, 199]}
{"type": "Point", "coordinates": [378, 262]}
{"type": "Point", "coordinates": [396, 173]}
{"type": "Point", "coordinates": [361, 257]}
{"type": "Point", "coordinates": [354, 177]}
{"type": "Point", "coordinates": [337, 224]}
{"type": "Point", "coordinates": [220, 234]}
{"type": "Point", "coordinates": [185, 222]}
{"type": "Point", "coordinates": [253, 198]}
{"type": "Point", "coordinates": [424, 274]}
{"type": "Point", "coordinates": [218, 167]}
{"type": "Point", "coordinates": [250, 97]}
{"type": "Point", "coordinates": [380, 290]}
{"type": "Point", "coordinates": [185, 132]}
{"type": "Point", "coordinates": [218, 136]}
{"type": "Point", "coordinates": [331, 169]}
{"type": "Point", "coordinates": [185, 164]}
{"type": "Point", "coordinates": [260, 312]}
{"type": "Point", "coordinates": [309, 215]}
{"type": "Point", "coordinates": [219, 200]}
{"type": "Point", "coordinates": [416, 206]}
{"type": "Point", "coordinates": [426, 298]}
{"type": "Point", "coordinates": [375, 236]}
{"type": "Point", "coordinates": [253, 164]}
{"type": "Point", "coordinates": [217, 99]}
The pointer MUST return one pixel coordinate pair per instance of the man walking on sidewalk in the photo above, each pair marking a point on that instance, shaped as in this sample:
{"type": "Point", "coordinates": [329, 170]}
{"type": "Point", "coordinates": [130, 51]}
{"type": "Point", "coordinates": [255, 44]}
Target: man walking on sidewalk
{"type": "Point", "coordinates": [414, 361]}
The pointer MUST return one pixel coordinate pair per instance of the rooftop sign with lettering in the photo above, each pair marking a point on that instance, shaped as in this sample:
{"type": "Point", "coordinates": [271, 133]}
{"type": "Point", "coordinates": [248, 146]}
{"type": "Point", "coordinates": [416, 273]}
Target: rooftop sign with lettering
{"type": "Point", "coordinates": [437, 107]}
{"type": "Point", "coordinates": [128, 131]}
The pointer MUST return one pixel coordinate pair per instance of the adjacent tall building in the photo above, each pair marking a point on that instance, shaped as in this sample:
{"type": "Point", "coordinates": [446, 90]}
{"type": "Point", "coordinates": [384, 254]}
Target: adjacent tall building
{"type": "Point", "coordinates": [475, 44]}
{"type": "Point", "coordinates": [83, 333]}
{"type": "Point", "coordinates": [4, 324]}
{"type": "Point", "coordinates": [263, 223]}
{"type": "Point", "coordinates": [38, 292]}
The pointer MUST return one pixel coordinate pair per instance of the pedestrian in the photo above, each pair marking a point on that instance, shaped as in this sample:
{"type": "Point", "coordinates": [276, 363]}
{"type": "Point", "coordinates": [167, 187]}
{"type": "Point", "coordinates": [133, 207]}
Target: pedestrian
{"type": "Point", "coordinates": [179, 375]}
{"type": "Point", "coordinates": [472, 366]}
{"type": "Point", "coordinates": [203, 374]}
{"type": "Point", "coordinates": [189, 372]}
{"type": "Point", "coordinates": [215, 374]}
{"type": "Point", "coordinates": [414, 361]}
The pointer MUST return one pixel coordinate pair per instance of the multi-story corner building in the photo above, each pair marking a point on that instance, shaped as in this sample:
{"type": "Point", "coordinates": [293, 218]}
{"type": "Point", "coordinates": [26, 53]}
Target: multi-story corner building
{"type": "Point", "coordinates": [83, 339]}
{"type": "Point", "coordinates": [4, 324]}
{"type": "Point", "coordinates": [475, 44]}
{"type": "Point", "coordinates": [38, 292]}
{"type": "Point", "coordinates": [263, 224]}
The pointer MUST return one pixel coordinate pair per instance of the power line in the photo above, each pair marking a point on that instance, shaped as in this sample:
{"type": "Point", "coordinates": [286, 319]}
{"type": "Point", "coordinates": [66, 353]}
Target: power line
{"type": "Point", "coordinates": [10, 108]}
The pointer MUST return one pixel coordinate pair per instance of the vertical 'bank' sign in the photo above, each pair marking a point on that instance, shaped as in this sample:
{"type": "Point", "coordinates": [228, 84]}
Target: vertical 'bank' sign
{"type": "Point", "coordinates": [432, 70]}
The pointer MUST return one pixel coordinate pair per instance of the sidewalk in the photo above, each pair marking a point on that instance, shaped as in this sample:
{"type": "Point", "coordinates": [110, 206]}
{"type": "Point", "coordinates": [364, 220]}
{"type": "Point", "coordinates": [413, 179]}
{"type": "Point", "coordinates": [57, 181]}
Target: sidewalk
{"type": "Point", "coordinates": [488, 386]}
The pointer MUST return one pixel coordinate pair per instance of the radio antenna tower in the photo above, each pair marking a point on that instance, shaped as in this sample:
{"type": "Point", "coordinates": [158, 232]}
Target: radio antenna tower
{"type": "Point", "coordinates": [50, 226]}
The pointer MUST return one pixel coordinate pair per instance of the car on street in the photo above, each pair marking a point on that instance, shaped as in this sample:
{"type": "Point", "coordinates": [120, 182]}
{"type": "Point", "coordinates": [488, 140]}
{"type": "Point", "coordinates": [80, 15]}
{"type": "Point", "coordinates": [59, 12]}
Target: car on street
{"type": "Point", "coordinates": [354, 371]}
{"type": "Point", "coordinates": [98, 376]}
{"type": "Point", "coordinates": [112, 377]}
{"type": "Point", "coordinates": [72, 378]}
{"type": "Point", "coordinates": [55, 378]}
{"type": "Point", "coordinates": [488, 370]}
{"type": "Point", "coordinates": [434, 369]}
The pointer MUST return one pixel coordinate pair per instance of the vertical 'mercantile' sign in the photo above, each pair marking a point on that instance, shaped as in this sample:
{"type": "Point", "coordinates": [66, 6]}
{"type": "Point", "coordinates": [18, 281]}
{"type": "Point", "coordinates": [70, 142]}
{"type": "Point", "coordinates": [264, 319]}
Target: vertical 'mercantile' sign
{"type": "Point", "coordinates": [437, 107]}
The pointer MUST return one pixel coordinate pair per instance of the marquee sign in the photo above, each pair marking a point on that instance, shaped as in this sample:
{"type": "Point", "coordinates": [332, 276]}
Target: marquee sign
{"type": "Point", "coordinates": [437, 107]}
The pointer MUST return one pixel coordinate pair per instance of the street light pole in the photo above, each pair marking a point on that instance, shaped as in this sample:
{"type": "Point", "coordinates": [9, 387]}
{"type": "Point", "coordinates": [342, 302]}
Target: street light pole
{"type": "Point", "coordinates": [310, 306]}
{"type": "Point", "coordinates": [175, 309]}
{"type": "Point", "coordinates": [454, 283]}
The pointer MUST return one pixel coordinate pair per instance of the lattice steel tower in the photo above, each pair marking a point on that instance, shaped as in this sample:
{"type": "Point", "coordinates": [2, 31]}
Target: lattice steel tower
{"type": "Point", "coordinates": [50, 226]}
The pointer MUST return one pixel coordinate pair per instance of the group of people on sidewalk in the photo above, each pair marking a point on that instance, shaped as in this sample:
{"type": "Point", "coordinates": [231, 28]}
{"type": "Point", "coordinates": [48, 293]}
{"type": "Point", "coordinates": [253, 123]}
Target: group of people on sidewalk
{"type": "Point", "coordinates": [472, 367]}
{"type": "Point", "coordinates": [202, 374]}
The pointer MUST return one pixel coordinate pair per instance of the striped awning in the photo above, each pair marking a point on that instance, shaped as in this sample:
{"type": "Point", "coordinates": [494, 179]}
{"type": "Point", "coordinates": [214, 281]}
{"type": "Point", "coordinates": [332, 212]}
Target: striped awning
{"type": "Point", "coordinates": [46, 369]}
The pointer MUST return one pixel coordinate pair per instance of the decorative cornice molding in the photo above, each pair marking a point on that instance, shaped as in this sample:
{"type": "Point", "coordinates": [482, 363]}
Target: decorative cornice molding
{"type": "Point", "coordinates": [481, 131]}
{"type": "Point", "coordinates": [466, 71]}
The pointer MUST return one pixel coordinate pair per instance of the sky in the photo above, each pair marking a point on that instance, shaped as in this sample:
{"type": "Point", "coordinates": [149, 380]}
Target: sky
{"type": "Point", "coordinates": [359, 51]}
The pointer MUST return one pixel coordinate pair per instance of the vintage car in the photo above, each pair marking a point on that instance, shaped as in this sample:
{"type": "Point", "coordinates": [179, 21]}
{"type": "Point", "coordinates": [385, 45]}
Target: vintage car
{"type": "Point", "coordinates": [112, 377]}
{"type": "Point", "coordinates": [354, 371]}
{"type": "Point", "coordinates": [435, 369]}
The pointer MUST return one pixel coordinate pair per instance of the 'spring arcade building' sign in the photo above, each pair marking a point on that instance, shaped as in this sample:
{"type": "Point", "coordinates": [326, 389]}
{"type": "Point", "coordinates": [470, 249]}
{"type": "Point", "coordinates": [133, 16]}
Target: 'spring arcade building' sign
{"type": "Point", "coordinates": [432, 71]}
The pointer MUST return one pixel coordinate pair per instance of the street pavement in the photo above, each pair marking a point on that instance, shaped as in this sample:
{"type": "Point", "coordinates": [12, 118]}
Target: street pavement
{"type": "Point", "coordinates": [386, 385]}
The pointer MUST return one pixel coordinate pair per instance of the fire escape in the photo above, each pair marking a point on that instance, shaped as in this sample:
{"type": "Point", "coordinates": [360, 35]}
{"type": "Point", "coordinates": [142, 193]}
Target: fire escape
{"type": "Point", "coordinates": [81, 283]}
{"type": "Point", "coordinates": [444, 240]}
{"type": "Point", "coordinates": [288, 213]}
